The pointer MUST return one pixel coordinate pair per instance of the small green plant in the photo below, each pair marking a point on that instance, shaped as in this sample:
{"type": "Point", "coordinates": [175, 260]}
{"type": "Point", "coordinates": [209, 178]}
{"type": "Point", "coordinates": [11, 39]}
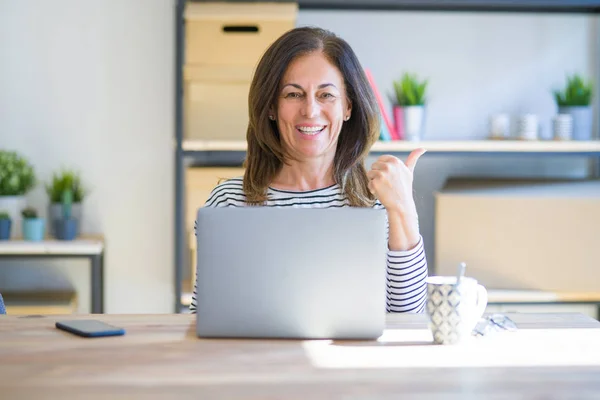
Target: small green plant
{"type": "Point", "coordinates": [63, 181]}
{"type": "Point", "coordinates": [578, 92]}
{"type": "Point", "coordinates": [29, 213]}
{"type": "Point", "coordinates": [410, 91]}
{"type": "Point", "coordinates": [4, 215]}
{"type": "Point", "coordinates": [16, 174]}
{"type": "Point", "coordinates": [67, 202]}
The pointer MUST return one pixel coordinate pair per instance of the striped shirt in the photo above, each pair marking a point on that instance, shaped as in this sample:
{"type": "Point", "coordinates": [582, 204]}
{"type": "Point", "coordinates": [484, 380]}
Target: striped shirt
{"type": "Point", "coordinates": [406, 270]}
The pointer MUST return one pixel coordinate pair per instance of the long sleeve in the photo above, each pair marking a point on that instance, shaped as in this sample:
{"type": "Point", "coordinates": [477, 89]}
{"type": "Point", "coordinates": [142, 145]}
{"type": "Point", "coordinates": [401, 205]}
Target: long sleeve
{"type": "Point", "coordinates": [406, 270]}
{"type": "Point", "coordinates": [195, 293]}
{"type": "Point", "coordinates": [406, 274]}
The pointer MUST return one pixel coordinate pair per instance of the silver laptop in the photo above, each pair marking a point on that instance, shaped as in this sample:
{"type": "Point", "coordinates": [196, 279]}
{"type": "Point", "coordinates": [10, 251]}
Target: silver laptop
{"type": "Point", "coordinates": [291, 273]}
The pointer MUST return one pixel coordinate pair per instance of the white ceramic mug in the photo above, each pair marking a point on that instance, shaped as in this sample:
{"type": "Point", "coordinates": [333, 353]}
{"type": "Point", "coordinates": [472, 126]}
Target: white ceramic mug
{"type": "Point", "coordinates": [499, 126]}
{"type": "Point", "coordinates": [454, 310]}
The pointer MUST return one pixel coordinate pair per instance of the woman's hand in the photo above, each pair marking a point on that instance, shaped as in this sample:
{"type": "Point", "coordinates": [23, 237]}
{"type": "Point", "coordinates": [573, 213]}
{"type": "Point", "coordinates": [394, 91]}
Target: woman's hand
{"type": "Point", "coordinates": [390, 180]}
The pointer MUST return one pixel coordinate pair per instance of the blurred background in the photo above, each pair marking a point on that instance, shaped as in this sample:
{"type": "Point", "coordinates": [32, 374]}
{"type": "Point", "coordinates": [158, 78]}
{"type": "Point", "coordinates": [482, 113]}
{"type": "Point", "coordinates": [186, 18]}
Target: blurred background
{"type": "Point", "coordinates": [128, 112]}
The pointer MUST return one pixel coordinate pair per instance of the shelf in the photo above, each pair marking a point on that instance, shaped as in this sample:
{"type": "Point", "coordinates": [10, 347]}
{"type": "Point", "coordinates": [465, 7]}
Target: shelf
{"type": "Point", "coordinates": [214, 145]}
{"type": "Point", "coordinates": [492, 146]}
{"type": "Point", "coordinates": [563, 6]}
{"type": "Point", "coordinates": [448, 146]}
{"type": "Point", "coordinates": [81, 246]}
{"type": "Point", "coordinates": [506, 296]}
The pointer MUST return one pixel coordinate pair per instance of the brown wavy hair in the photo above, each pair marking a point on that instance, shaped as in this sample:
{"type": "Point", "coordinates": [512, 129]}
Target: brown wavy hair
{"type": "Point", "coordinates": [265, 154]}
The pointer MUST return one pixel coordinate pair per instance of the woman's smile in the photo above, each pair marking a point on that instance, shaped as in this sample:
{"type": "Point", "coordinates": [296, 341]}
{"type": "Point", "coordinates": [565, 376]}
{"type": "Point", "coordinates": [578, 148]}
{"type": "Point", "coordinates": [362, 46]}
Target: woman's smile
{"type": "Point", "coordinates": [310, 131]}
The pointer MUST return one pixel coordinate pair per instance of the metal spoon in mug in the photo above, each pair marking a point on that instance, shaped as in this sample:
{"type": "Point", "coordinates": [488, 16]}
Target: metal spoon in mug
{"type": "Point", "coordinates": [461, 271]}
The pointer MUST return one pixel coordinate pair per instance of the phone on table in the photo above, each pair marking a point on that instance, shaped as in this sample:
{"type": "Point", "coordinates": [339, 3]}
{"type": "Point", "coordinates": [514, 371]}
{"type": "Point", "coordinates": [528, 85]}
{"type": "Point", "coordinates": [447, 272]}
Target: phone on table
{"type": "Point", "coordinates": [90, 328]}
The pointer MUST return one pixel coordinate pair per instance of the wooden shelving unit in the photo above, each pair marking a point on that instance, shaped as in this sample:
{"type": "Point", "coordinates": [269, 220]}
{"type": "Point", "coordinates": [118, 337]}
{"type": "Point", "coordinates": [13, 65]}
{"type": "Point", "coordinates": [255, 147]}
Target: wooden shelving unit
{"type": "Point", "coordinates": [200, 151]}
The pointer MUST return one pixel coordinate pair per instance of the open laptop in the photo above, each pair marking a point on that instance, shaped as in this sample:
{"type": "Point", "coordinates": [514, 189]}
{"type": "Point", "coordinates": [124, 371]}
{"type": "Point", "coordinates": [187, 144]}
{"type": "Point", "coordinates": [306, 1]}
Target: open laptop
{"type": "Point", "coordinates": [291, 273]}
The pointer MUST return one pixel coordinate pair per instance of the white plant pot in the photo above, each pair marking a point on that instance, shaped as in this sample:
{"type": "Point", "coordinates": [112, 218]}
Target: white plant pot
{"type": "Point", "coordinates": [582, 121]}
{"type": "Point", "coordinates": [13, 205]}
{"type": "Point", "coordinates": [414, 117]}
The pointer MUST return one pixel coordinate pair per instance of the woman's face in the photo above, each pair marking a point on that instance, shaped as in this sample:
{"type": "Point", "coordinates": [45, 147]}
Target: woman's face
{"type": "Point", "coordinates": [311, 107]}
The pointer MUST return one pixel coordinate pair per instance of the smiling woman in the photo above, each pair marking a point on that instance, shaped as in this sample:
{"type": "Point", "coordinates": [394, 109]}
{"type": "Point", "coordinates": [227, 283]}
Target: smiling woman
{"type": "Point", "coordinates": [312, 121]}
{"type": "Point", "coordinates": [310, 114]}
{"type": "Point", "coordinates": [310, 80]}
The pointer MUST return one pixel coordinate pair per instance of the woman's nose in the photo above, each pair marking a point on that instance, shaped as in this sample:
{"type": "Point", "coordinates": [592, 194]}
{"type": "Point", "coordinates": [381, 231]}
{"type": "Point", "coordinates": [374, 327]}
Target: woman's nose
{"type": "Point", "coordinates": [311, 108]}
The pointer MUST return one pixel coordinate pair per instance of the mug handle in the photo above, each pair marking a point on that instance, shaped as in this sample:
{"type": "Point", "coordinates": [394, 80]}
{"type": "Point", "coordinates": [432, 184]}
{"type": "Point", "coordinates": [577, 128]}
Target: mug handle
{"type": "Point", "coordinates": [482, 300]}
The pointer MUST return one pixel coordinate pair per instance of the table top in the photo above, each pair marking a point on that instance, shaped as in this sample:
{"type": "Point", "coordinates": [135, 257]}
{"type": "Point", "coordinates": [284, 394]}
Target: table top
{"type": "Point", "coordinates": [550, 356]}
{"type": "Point", "coordinates": [86, 245]}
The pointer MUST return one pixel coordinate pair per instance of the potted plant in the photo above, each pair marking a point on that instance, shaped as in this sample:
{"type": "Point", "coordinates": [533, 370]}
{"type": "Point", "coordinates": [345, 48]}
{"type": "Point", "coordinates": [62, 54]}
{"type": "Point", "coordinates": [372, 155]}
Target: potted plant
{"type": "Point", "coordinates": [62, 181]}
{"type": "Point", "coordinates": [5, 223]}
{"type": "Point", "coordinates": [576, 100]}
{"type": "Point", "coordinates": [33, 226]}
{"type": "Point", "coordinates": [409, 108]}
{"type": "Point", "coordinates": [16, 179]}
{"type": "Point", "coordinates": [66, 227]}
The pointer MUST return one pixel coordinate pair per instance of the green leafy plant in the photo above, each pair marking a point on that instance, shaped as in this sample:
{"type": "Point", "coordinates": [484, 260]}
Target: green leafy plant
{"type": "Point", "coordinates": [578, 92]}
{"type": "Point", "coordinates": [410, 91]}
{"type": "Point", "coordinates": [16, 174]}
{"type": "Point", "coordinates": [63, 181]}
{"type": "Point", "coordinates": [29, 212]}
{"type": "Point", "coordinates": [4, 215]}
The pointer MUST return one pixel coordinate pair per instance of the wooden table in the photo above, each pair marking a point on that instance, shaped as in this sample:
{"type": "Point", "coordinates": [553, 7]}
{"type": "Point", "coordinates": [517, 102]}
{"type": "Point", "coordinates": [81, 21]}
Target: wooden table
{"type": "Point", "coordinates": [90, 248]}
{"type": "Point", "coordinates": [550, 356]}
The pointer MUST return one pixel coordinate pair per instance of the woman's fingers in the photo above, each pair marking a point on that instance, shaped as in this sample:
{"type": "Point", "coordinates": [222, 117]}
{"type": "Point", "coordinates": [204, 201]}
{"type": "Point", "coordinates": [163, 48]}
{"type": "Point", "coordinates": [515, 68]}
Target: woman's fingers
{"type": "Point", "coordinates": [413, 157]}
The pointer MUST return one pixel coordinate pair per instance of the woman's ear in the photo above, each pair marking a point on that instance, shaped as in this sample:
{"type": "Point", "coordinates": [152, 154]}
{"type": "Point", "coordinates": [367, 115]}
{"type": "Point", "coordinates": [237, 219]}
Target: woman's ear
{"type": "Point", "coordinates": [348, 110]}
{"type": "Point", "coordinates": [272, 114]}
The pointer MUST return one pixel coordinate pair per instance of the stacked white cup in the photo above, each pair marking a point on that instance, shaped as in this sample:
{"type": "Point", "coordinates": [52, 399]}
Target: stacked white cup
{"type": "Point", "coordinates": [562, 127]}
{"type": "Point", "coordinates": [527, 127]}
{"type": "Point", "coordinates": [500, 126]}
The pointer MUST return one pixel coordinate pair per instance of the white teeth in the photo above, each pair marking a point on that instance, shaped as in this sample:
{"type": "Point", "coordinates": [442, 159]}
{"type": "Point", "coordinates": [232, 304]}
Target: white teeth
{"type": "Point", "coordinates": [311, 130]}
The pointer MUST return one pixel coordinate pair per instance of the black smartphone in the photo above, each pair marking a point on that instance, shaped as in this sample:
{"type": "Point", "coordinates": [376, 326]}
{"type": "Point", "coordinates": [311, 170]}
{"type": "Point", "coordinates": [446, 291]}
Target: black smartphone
{"type": "Point", "coordinates": [90, 328]}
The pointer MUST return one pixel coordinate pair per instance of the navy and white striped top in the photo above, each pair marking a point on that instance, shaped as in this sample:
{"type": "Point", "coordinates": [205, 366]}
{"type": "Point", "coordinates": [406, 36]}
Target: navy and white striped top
{"type": "Point", "coordinates": [406, 270]}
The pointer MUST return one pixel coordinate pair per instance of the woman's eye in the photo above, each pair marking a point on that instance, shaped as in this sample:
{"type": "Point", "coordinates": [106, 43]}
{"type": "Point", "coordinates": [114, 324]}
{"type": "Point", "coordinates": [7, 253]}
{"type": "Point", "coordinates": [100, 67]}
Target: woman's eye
{"type": "Point", "coordinates": [327, 96]}
{"type": "Point", "coordinates": [293, 95]}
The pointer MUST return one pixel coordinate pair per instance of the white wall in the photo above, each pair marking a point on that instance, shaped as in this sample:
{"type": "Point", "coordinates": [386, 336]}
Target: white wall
{"type": "Point", "coordinates": [90, 85]}
{"type": "Point", "coordinates": [478, 64]}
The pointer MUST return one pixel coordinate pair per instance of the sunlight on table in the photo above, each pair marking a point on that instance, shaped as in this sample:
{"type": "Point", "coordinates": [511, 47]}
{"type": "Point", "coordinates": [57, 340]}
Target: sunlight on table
{"type": "Point", "coordinates": [398, 348]}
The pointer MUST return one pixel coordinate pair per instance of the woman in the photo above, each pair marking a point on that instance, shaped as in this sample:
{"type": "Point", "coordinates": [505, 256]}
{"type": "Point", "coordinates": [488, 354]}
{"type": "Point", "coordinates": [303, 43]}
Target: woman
{"type": "Point", "coordinates": [313, 118]}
